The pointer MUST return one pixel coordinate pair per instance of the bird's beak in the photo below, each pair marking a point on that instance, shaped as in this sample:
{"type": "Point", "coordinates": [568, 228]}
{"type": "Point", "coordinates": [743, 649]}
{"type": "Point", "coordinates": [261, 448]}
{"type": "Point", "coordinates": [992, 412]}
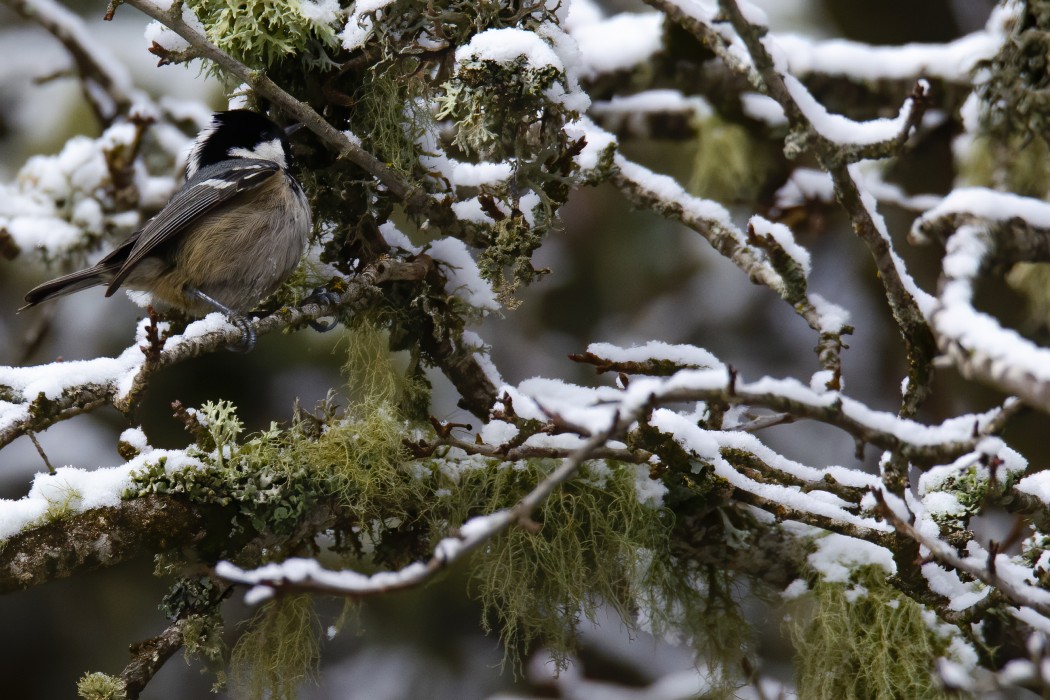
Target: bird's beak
{"type": "Point", "coordinates": [292, 128]}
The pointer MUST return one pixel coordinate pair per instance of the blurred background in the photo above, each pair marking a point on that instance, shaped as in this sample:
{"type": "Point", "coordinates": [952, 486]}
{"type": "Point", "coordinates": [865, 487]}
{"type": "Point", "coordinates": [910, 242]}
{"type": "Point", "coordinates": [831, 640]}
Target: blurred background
{"type": "Point", "coordinates": [619, 276]}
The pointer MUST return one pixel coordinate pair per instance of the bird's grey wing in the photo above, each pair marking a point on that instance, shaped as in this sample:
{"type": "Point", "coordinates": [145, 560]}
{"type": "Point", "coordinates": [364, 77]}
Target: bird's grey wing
{"type": "Point", "coordinates": [208, 189]}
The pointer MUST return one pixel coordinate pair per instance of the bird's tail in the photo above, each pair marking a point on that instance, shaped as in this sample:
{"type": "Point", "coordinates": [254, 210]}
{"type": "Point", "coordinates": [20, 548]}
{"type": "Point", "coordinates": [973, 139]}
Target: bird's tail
{"type": "Point", "coordinates": [67, 284]}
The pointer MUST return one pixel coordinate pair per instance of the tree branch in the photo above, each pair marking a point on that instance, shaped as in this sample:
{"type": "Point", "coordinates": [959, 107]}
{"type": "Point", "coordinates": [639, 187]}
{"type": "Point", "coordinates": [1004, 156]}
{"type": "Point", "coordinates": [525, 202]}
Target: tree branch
{"type": "Point", "coordinates": [101, 537]}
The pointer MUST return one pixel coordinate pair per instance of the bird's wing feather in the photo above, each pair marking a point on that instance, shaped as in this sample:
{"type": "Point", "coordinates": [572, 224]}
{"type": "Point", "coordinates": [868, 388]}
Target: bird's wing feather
{"type": "Point", "coordinates": [208, 189]}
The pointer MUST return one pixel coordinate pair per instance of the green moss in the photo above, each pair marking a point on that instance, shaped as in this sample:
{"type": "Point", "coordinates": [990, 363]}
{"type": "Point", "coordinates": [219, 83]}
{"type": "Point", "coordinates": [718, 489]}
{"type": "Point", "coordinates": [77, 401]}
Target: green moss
{"type": "Point", "coordinates": [280, 650]}
{"type": "Point", "coordinates": [1018, 163]}
{"type": "Point", "coordinates": [390, 116]}
{"type": "Point", "coordinates": [495, 106]}
{"type": "Point", "coordinates": [99, 686]}
{"type": "Point", "coordinates": [595, 545]}
{"type": "Point", "coordinates": [202, 638]}
{"type": "Point", "coordinates": [876, 645]}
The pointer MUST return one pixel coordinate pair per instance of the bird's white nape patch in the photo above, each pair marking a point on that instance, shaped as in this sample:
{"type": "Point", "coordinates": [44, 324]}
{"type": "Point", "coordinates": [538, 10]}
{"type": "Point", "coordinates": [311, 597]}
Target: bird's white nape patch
{"type": "Point", "coordinates": [267, 150]}
{"type": "Point", "coordinates": [193, 159]}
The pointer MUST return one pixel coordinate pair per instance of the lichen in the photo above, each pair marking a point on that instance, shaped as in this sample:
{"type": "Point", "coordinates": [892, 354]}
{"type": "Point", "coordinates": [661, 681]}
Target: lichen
{"type": "Point", "coordinates": [262, 32]}
{"type": "Point", "coordinates": [863, 640]}
{"type": "Point", "coordinates": [280, 650]}
{"type": "Point", "coordinates": [100, 686]}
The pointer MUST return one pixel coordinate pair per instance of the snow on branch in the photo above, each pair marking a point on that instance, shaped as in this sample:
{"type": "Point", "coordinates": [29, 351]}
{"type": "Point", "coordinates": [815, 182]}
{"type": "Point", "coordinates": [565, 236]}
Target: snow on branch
{"type": "Point", "coordinates": [982, 231]}
{"type": "Point", "coordinates": [778, 269]}
{"type": "Point", "coordinates": [106, 82]}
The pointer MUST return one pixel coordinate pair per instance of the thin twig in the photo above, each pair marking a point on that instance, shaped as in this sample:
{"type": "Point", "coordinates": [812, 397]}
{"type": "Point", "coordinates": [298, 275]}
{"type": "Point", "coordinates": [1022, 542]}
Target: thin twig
{"type": "Point", "coordinates": [40, 451]}
{"type": "Point", "coordinates": [946, 555]}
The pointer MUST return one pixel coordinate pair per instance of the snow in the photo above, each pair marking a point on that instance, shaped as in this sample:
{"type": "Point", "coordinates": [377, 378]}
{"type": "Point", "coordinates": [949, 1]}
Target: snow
{"type": "Point", "coordinates": [70, 490]}
{"type": "Point", "coordinates": [839, 57]}
{"type": "Point", "coordinates": [649, 491]}
{"type": "Point", "coordinates": [359, 25]}
{"type": "Point", "coordinates": [135, 438]}
{"type": "Point", "coordinates": [833, 318]}
{"type": "Point", "coordinates": [838, 556]}
{"type": "Point", "coordinates": [843, 130]}
{"type": "Point", "coordinates": [1037, 485]}
{"type": "Point", "coordinates": [301, 570]}
{"type": "Point", "coordinates": [618, 43]}
{"type": "Point", "coordinates": [667, 189]}
{"type": "Point", "coordinates": [947, 583]}
{"type": "Point", "coordinates": [985, 204]}
{"type": "Point", "coordinates": [763, 108]}
{"type": "Point", "coordinates": [478, 174]}
{"type": "Point", "coordinates": [954, 675]}
{"type": "Point", "coordinates": [682, 355]}
{"type": "Point", "coordinates": [782, 235]}
{"type": "Point", "coordinates": [104, 373]}
{"type": "Point", "coordinates": [507, 45]}
{"type": "Point", "coordinates": [463, 277]}
{"type": "Point", "coordinates": [57, 199]}
{"type": "Point", "coordinates": [320, 11]}
{"type": "Point", "coordinates": [598, 141]}
{"type": "Point", "coordinates": [796, 589]}
{"type": "Point", "coordinates": [498, 432]}
{"type": "Point", "coordinates": [482, 357]}
{"type": "Point", "coordinates": [654, 101]}
{"type": "Point", "coordinates": [157, 33]}
{"type": "Point", "coordinates": [706, 445]}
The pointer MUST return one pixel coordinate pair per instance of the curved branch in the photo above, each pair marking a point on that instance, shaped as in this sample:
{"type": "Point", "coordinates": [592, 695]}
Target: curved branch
{"type": "Point", "coordinates": [100, 537]}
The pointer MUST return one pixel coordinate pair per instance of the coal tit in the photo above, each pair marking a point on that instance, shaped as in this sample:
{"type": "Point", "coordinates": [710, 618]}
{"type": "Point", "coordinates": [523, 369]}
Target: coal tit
{"type": "Point", "coordinates": [227, 239]}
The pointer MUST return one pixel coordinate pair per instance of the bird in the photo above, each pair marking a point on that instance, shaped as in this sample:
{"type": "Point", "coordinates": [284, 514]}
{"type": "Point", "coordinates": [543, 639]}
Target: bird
{"type": "Point", "coordinates": [227, 239]}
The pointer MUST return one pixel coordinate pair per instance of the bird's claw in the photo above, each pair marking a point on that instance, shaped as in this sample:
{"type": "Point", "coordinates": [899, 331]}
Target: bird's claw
{"type": "Point", "coordinates": [248, 336]}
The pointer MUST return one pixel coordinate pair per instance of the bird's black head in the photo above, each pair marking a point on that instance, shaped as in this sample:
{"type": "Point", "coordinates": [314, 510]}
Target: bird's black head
{"type": "Point", "coordinates": [239, 133]}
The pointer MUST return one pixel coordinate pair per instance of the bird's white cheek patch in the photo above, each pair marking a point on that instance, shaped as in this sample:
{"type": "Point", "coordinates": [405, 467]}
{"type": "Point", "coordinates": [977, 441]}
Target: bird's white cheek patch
{"type": "Point", "coordinates": [267, 150]}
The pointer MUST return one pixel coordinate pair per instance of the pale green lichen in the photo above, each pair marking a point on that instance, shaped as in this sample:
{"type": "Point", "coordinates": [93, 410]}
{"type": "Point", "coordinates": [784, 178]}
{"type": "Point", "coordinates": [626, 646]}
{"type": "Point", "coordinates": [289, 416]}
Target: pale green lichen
{"type": "Point", "coordinates": [596, 543]}
{"type": "Point", "coordinates": [867, 643]}
{"type": "Point", "coordinates": [100, 686]}
{"type": "Point", "coordinates": [262, 32]}
{"type": "Point", "coordinates": [729, 164]}
{"type": "Point", "coordinates": [279, 652]}
{"type": "Point", "coordinates": [62, 501]}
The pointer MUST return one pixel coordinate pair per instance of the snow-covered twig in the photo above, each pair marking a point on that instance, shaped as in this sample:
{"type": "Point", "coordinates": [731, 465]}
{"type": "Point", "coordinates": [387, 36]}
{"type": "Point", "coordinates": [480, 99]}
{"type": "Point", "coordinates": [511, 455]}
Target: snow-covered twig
{"type": "Point", "coordinates": [97, 538]}
{"type": "Point", "coordinates": [663, 195]}
{"type": "Point", "coordinates": [1024, 595]}
{"type": "Point", "coordinates": [107, 85]}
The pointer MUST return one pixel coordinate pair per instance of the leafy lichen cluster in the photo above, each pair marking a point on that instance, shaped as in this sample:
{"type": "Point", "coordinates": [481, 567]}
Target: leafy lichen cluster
{"type": "Point", "coordinates": [260, 33]}
{"type": "Point", "coordinates": [100, 686]}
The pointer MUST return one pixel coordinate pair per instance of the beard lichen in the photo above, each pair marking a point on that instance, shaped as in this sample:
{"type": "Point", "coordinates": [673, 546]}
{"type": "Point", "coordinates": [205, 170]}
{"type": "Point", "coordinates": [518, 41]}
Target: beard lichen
{"type": "Point", "coordinates": [863, 641]}
{"type": "Point", "coordinates": [280, 650]}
